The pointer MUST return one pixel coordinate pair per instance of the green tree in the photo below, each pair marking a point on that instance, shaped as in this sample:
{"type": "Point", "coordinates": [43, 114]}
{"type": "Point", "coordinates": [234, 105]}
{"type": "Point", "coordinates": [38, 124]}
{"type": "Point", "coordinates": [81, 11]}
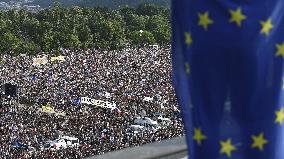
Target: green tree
{"type": "Point", "coordinates": [126, 10]}
{"type": "Point", "coordinates": [109, 33]}
{"type": "Point", "coordinates": [59, 26]}
{"type": "Point", "coordinates": [85, 36]}
{"type": "Point", "coordinates": [30, 29]}
{"type": "Point", "coordinates": [10, 43]}
{"type": "Point", "coordinates": [71, 41]}
{"type": "Point", "coordinates": [136, 22]}
{"type": "Point", "coordinates": [13, 20]}
{"type": "Point", "coordinates": [148, 9]}
{"type": "Point", "coordinates": [140, 38]}
{"type": "Point", "coordinates": [3, 26]}
{"type": "Point", "coordinates": [30, 48]}
{"type": "Point", "coordinates": [160, 28]}
{"type": "Point", "coordinates": [47, 41]}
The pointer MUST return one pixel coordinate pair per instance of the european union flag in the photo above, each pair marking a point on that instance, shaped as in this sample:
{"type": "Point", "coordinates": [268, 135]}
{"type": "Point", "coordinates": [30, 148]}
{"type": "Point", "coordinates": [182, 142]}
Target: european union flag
{"type": "Point", "coordinates": [34, 77]}
{"type": "Point", "coordinates": [18, 144]}
{"type": "Point", "coordinates": [228, 76]}
{"type": "Point", "coordinates": [77, 101]}
{"type": "Point", "coordinates": [49, 77]}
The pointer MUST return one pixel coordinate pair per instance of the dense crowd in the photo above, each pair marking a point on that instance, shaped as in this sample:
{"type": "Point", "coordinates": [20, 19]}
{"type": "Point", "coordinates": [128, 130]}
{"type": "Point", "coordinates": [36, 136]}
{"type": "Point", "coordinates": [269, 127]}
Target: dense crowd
{"type": "Point", "coordinates": [125, 77]}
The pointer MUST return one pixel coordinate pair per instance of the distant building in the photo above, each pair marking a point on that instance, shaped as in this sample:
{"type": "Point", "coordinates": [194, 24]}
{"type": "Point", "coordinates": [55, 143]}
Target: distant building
{"type": "Point", "coordinates": [21, 4]}
{"type": "Point", "coordinates": [4, 6]}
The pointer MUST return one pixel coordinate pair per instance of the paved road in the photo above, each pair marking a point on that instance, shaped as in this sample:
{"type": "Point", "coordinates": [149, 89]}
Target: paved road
{"type": "Point", "coordinates": [168, 149]}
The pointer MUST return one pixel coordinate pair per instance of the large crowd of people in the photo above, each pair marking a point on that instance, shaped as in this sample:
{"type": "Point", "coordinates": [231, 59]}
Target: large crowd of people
{"type": "Point", "coordinates": [126, 78]}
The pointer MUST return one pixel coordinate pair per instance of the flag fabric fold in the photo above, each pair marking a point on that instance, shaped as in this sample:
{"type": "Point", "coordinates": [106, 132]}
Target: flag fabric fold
{"type": "Point", "coordinates": [228, 75]}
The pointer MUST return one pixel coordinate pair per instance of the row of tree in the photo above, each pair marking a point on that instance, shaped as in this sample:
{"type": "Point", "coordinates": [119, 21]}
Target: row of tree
{"type": "Point", "coordinates": [77, 27]}
{"type": "Point", "coordinates": [114, 4]}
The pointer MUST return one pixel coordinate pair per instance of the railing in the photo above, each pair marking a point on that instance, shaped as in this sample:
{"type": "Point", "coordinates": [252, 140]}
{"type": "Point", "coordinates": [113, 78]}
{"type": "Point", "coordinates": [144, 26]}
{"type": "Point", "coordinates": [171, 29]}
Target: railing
{"type": "Point", "coordinates": [167, 149]}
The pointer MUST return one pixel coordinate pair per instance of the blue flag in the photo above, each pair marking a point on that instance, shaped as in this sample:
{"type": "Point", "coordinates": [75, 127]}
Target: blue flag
{"type": "Point", "coordinates": [34, 77]}
{"type": "Point", "coordinates": [77, 101]}
{"type": "Point", "coordinates": [228, 76]}
{"type": "Point", "coordinates": [49, 77]}
{"type": "Point", "coordinates": [18, 144]}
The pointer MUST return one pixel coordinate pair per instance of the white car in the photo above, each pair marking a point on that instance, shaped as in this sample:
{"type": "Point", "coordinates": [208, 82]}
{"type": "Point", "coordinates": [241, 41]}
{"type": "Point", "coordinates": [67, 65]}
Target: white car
{"type": "Point", "coordinates": [164, 121]}
{"type": "Point", "coordinates": [55, 144]}
{"type": "Point", "coordinates": [137, 127]}
{"type": "Point", "coordinates": [145, 121]}
{"type": "Point", "coordinates": [70, 141]}
{"type": "Point", "coordinates": [62, 142]}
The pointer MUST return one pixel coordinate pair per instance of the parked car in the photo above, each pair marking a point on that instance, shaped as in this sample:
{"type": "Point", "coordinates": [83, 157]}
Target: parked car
{"type": "Point", "coordinates": [71, 141]}
{"type": "Point", "coordinates": [55, 144]}
{"type": "Point", "coordinates": [137, 127]}
{"type": "Point", "coordinates": [147, 122]}
{"type": "Point", "coordinates": [61, 142]}
{"type": "Point", "coordinates": [162, 120]}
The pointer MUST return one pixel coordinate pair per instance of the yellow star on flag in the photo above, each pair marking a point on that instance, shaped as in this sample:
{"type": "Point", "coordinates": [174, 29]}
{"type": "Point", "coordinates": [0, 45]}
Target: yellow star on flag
{"type": "Point", "coordinates": [204, 20]}
{"type": "Point", "coordinates": [198, 136]}
{"type": "Point", "coordinates": [237, 16]}
{"type": "Point", "coordinates": [188, 39]}
{"type": "Point", "coordinates": [258, 141]}
{"type": "Point", "coordinates": [279, 116]}
{"type": "Point", "coordinates": [266, 26]}
{"type": "Point", "coordinates": [227, 147]}
{"type": "Point", "coordinates": [187, 68]}
{"type": "Point", "coordinates": [280, 49]}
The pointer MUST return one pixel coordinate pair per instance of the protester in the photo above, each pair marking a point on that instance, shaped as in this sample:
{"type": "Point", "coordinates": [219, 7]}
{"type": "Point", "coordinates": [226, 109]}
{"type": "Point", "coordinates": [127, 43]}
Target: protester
{"type": "Point", "coordinates": [137, 80]}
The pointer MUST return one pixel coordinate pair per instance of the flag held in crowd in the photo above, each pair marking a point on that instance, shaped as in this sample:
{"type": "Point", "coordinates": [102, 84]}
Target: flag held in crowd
{"type": "Point", "coordinates": [18, 144]}
{"type": "Point", "coordinates": [47, 108]}
{"type": "Point", "coordinates": [228, 75]}
{"type": "Point", "coordinates": [77, 101]}
{"type": "Point", "coordinates": [40, 61]}
{"type": "Point", "coordinates": [49, 78]}
{"type": "Point", "coordinates": [34, 77]}
{"type": "Point", "coordinates": [58, 58]}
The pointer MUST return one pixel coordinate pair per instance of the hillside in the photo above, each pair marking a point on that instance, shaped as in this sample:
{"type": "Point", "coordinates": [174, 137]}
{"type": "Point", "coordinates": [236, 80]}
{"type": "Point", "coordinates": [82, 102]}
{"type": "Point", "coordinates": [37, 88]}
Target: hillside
{"type": "Point", "coordinates": [102, 3]}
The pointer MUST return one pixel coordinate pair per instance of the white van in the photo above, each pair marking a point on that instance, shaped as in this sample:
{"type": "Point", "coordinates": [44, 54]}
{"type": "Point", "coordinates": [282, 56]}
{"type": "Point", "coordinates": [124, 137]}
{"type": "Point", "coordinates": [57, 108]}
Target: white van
{"type": "Point", "coordinates": [55, 145]}
{"type": "Point", "coordinates": [164, 121]}
{"type": "Point", "coordinates": [61, 142]}
{"type": "Point", "coordinates": [71, 141]}
{"type": "Point", "coordinates": [146, 121]}
{"type": "Point", "coordinates": [136, 127]}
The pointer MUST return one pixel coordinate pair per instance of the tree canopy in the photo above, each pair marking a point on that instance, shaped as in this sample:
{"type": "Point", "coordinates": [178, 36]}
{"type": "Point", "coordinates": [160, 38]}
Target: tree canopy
{"type": "Point", "coordinates": [113, 4]}
{"type": "Point", "coordinates": [79, 27]}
